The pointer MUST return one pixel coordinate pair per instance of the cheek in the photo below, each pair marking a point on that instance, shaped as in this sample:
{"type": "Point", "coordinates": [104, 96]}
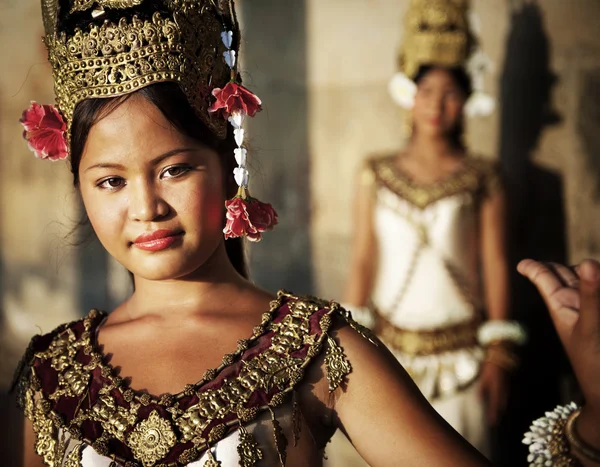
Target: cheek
{"type": "Point", "coordinates": [204, 205]}
{"type": "Point", "coordinates": [104, 214]}
{"type": "Point", "coordinates": [455, 108]}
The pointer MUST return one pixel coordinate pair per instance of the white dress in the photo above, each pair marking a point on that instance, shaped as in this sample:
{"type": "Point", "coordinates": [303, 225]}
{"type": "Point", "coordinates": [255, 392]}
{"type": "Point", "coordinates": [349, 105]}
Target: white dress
{"type": "Point", "coordinates": [427, 294]}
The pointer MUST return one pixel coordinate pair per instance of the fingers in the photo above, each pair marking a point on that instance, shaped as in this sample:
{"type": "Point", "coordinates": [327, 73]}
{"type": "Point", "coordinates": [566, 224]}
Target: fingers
{"type": "Point", "coordinates": [561, 301]}
{"type": "Point", "coordinates": [568, 276]}
{"type": "Point", "coordinates": [589, 273]}
{"type": "Point", "coordinates": [542, 277]}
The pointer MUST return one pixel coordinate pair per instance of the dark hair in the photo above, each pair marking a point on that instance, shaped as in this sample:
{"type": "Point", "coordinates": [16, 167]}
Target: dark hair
{"type": "Point", "coordinates": [463, 81]}
{"type": "Point", "coordinates": [171, 101]}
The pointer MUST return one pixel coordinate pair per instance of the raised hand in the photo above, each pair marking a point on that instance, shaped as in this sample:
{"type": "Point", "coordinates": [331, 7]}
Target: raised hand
{"type": "Point", "coordinates": [573, 298]}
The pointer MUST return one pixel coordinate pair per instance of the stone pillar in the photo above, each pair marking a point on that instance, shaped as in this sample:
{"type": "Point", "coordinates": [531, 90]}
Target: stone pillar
{"type": "Point", "coordinates": [274, 64]}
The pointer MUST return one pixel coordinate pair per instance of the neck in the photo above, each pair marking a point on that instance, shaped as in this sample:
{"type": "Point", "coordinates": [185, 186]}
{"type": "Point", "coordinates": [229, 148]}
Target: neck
{"type": "Point", "coordinates": [212, 287]}
{"type": "Point", "coordinates": [431, 148]}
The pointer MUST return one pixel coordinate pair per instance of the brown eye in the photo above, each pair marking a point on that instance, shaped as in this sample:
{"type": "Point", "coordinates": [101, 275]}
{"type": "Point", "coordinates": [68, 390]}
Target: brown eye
{"type": "Point", "coordinates": [111, 183]}
{"type": "Point", "coordinates": [175, 171]}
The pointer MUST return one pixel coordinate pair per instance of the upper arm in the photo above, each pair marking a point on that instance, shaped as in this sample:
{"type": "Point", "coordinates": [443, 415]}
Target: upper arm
{"type": "Point", "coordinates": [30, 457]}
{"type": "Point", "coordinates": [363, 242]}
{"type": "Point", "coordinates": [493, 218]}
{"type": "Point", "coordinates": [385, 416]}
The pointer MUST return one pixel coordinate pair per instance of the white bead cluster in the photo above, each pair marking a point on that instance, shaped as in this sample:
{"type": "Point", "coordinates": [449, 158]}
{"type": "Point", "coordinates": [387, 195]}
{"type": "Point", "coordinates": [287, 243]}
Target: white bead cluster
{"type": "Point", "coordinates": [240, 173]}
{"type": "Point", "coordinates": [538, 439]}
{"type": "Point", "coordinates": [497, 330]}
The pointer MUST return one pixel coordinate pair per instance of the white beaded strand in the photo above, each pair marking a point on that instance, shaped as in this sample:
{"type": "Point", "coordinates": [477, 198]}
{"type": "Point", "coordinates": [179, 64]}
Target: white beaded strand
{"type": "Point", "coordinates": [240, 173]}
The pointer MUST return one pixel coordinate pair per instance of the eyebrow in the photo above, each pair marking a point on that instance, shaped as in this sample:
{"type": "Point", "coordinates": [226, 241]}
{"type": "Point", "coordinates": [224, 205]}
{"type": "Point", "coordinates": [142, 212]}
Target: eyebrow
{"type": "Point", "coordinates": [156, 160]}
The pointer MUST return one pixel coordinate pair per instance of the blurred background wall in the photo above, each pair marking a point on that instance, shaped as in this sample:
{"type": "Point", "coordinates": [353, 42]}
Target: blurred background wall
{"type": "Point", "coordinates": [321, 68]}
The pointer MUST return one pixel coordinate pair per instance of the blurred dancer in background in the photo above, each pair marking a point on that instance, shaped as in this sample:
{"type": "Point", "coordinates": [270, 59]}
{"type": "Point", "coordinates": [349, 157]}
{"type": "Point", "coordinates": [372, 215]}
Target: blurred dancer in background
{"type": "Point", "coordinates": [429, 272]}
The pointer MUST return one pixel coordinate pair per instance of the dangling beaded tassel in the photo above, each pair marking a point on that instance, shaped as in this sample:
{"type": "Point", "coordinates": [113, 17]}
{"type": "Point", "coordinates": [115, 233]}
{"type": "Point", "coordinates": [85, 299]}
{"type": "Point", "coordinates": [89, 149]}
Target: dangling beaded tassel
{"type": "Point", "coordinates": [246, 216]}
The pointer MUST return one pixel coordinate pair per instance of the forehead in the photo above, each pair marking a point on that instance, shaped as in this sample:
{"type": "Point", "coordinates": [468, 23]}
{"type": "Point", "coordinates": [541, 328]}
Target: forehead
{"type": "Point", "coordinates": [135, 128]}
{"type": "Point", "coordinates": [438, 76]}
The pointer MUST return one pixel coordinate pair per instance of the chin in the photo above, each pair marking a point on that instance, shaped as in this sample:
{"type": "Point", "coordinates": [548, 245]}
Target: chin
{"type": "Point", "coordinates": [169, 264]}
{"type": "Point", "coordinates": [163, 270]}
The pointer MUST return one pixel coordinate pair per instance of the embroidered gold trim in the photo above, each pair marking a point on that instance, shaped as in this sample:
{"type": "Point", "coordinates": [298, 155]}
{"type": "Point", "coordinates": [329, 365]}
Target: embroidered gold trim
{"type": "Point", "coordinates": [432, 342]}
{"type": "Point", "coordinates": [477, 175]}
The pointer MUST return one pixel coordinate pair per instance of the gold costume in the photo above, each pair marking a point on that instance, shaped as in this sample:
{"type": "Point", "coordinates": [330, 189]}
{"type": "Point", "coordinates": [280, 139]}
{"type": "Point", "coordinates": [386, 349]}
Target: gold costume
{"type": "Point", "coordinates": [240, 413]}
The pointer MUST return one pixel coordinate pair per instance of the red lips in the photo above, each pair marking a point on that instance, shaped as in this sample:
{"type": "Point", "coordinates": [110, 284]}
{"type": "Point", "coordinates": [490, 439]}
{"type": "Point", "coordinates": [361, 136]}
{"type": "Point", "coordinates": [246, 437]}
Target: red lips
{"type": "Point", "coordinates": [158, 240]}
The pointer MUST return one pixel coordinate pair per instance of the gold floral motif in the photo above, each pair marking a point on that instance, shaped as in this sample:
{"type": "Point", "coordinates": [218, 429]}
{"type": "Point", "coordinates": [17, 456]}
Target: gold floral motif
{"type": "Point", "coordinates": [336, 364]}
{"type": "Point", "coordinates": [151, 439]}
{"type": "Point", "coordinates": [248, 449]}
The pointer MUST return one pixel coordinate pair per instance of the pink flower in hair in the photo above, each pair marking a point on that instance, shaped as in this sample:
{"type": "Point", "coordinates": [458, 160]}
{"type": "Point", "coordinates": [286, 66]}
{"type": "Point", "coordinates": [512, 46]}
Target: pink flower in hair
{"type": "Point", "coordinates": [234, 98]}
{"type": "Point", "coordinates": [249, 217]}
{"type": "Point", "coordinates": [45, 132]}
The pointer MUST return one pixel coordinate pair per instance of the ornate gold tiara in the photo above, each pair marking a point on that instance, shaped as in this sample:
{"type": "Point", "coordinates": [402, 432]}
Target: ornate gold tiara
{"type": "Point", "coordinates": [115, 58]}
{"type": "Point", "coordinates": [436, 33]}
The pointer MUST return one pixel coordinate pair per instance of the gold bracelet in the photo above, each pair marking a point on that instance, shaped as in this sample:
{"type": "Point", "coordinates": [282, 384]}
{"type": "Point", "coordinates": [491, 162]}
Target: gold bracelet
{"type": "Point", "coordinates": [578, 444]}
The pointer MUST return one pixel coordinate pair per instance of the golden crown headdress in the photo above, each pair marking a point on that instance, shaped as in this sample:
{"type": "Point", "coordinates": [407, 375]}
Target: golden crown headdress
{"type": "Point", "coordinates": [182, 43]}
{"type": "Point", "coordinates": [436, 32]}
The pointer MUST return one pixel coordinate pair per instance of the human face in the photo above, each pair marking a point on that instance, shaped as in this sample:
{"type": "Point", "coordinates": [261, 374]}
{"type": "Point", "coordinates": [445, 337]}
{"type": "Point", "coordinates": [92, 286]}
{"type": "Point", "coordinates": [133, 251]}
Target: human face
{"type": "Point", "coordinates": [154, 196]}
{"type": "Point", "coordinates": [438, 104]}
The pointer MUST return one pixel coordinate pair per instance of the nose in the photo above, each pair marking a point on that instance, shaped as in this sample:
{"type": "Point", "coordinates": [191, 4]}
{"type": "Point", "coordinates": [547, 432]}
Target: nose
{"type": "Point", "coordinates": [146, 203]}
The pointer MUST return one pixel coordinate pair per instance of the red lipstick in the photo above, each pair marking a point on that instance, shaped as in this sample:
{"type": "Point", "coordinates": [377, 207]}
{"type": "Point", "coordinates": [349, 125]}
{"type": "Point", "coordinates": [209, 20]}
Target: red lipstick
{"type": "Point", "coordinates": [158, 240]}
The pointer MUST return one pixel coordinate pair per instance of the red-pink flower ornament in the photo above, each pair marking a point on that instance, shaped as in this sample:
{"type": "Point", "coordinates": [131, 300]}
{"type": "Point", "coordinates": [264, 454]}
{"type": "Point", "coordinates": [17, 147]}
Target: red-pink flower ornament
{"type": "Point", "coordinates": [247, 216]}
{"type": "Point", "coordinates": [45, 132]}
{"type": "Point", "coordinates": [234, 98]}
